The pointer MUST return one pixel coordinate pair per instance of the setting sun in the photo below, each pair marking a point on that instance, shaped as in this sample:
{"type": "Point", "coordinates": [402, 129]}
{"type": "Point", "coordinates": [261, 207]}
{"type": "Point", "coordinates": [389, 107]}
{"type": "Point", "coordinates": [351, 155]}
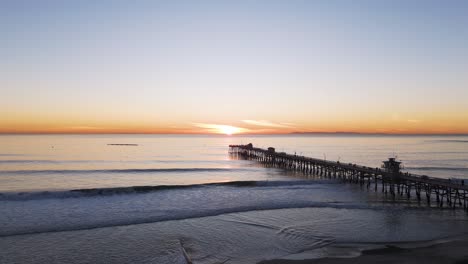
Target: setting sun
{"type": "Point", "coordinates": [220, 129]}
{"type": "Point", "coordinates": [228, 130]}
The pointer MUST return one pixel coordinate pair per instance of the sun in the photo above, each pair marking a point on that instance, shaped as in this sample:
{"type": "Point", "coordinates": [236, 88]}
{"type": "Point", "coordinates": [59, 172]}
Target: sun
{"type": "Point", "coordinates": [228, 130]}
{"type": "Point", "coordinates": [220, 129]}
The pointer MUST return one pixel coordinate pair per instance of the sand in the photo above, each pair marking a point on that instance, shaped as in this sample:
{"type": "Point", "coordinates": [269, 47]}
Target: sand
{"type": "Point", "coordinates": [455, 252]}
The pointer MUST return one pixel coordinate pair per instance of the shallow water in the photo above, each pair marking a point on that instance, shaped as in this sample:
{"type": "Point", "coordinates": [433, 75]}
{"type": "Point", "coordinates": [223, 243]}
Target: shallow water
{"type": "Point", "coordinates": [219, 208]}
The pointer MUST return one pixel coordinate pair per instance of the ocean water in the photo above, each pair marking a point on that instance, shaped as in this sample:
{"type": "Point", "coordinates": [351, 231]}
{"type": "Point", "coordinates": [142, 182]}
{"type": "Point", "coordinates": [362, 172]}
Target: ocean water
{"type": "Point", "coordinates": [83, 199]}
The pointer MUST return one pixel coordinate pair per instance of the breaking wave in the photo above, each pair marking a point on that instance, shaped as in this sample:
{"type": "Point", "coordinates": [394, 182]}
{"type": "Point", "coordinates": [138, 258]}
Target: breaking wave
{"type": "Point", "coordinates": [438, 168]}
{"type": "Point", "coordinates": [77, 193]}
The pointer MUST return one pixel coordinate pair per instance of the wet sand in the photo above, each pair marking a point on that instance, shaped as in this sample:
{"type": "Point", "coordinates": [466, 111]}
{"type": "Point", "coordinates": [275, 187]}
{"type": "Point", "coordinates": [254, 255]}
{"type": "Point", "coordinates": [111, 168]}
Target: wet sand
{"type": "Point", "coordinates": [455, 252]}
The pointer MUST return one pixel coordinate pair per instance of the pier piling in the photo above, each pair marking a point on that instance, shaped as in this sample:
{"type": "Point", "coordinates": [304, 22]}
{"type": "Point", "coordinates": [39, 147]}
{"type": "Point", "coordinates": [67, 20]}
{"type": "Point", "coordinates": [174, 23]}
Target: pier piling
{"type": "Point", "coordinates": [390, 177]}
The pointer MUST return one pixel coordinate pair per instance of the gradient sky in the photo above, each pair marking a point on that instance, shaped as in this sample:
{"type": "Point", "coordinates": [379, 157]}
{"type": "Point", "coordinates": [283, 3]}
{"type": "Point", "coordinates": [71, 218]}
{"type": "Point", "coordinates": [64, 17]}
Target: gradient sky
{"type": "Point", "coordinates": [260, 66]}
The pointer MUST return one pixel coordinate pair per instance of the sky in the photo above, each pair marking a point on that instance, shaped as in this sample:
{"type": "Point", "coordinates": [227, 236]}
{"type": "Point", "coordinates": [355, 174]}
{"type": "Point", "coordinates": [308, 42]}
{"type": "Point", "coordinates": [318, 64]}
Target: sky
{"type": "Point", "coordinates": [233, 66]}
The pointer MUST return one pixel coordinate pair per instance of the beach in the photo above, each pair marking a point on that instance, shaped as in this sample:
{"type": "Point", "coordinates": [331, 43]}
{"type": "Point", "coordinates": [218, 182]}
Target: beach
{"type": "Point", "coordinates": [453, 252]}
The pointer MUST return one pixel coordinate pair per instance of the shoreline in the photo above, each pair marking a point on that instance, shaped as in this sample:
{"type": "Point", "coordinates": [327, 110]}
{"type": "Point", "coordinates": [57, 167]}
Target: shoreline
{"type": "Point", "coordinates": [452, 251]}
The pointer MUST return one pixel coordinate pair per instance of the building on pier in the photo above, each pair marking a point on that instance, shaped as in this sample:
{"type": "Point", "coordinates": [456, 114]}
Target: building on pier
{"type": "Point", "coordinates": [392, 166]}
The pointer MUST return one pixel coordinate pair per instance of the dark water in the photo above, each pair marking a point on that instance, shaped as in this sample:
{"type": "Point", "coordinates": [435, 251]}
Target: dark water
{"type": "Point", "coordinates": [72, 199]}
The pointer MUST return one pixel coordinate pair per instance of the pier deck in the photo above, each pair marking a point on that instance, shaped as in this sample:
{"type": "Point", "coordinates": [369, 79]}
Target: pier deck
{"type": "Point", "coordinates": [390, 180]}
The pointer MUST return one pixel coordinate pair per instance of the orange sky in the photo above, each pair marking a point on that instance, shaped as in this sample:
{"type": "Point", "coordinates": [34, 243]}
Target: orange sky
{"type": "Point", "coordinates": [394, 126]}
{"type": "Point", "coordinates": [237, 67]}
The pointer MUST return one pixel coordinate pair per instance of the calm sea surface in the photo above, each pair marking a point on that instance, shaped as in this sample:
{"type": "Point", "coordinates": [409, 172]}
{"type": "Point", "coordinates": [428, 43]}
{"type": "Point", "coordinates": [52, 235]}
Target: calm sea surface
{"type": "Point", "coordinates": [47, 217]}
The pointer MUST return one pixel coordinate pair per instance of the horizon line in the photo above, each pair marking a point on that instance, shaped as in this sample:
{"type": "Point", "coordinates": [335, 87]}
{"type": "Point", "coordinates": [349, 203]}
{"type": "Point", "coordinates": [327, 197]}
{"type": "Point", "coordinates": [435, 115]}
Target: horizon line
{"type": "Point", "coordinates": [238, 134]}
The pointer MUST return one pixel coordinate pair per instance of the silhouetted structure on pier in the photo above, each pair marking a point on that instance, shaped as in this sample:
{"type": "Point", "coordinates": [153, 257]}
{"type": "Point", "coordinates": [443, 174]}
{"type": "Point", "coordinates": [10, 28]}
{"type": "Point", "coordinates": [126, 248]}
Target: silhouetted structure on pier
{"type": "Point", "coordinates": [389, 177]}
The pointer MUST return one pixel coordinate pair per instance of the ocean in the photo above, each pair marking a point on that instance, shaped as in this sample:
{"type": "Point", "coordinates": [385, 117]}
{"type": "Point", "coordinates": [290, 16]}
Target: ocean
{"type": "Point", "coordinates": [142, 198]}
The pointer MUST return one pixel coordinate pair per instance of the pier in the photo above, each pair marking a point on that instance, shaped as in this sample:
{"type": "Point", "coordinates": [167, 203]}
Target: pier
{"type": "Point", "coordinates": [389, 178]}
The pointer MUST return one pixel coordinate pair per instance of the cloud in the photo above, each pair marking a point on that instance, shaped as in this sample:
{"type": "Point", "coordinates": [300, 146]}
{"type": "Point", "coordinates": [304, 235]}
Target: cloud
{"type": "Point", "coordinates": [266, 123]}
{"type": "Point", "coordinates": [289, 124]}
{"type": "Point", "coordinates": [84, 128]}
{"type": "Point", "coordinates": [414, 121]}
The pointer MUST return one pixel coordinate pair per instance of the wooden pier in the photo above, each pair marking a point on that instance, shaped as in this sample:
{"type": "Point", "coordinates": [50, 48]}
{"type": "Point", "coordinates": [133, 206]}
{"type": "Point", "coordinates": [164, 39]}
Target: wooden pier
{"type": "Point", "coordinates": [389, 178]}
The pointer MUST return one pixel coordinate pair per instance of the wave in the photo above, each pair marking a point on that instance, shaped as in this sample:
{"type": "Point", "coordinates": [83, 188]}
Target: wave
{"type": "Point", "coordinates": [438, 168]}
{"type": "Point", "coordinates": [77, 193]}
{"type": "Point", "coordinates": [30, 161]}
{"type": "Point", "coordinates": [188, 214]}
{"type": "Point", "coordinates": [448, 140]}
{"type": "Point", "coordinates": [433, 152]}
{"type": "Point", "coordinates": [166, 170]}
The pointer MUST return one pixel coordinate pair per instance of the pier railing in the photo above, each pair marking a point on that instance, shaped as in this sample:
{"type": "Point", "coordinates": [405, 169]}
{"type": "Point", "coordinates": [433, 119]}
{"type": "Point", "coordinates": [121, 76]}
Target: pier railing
{"type": "Point", "coordinates": [436, 190]}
